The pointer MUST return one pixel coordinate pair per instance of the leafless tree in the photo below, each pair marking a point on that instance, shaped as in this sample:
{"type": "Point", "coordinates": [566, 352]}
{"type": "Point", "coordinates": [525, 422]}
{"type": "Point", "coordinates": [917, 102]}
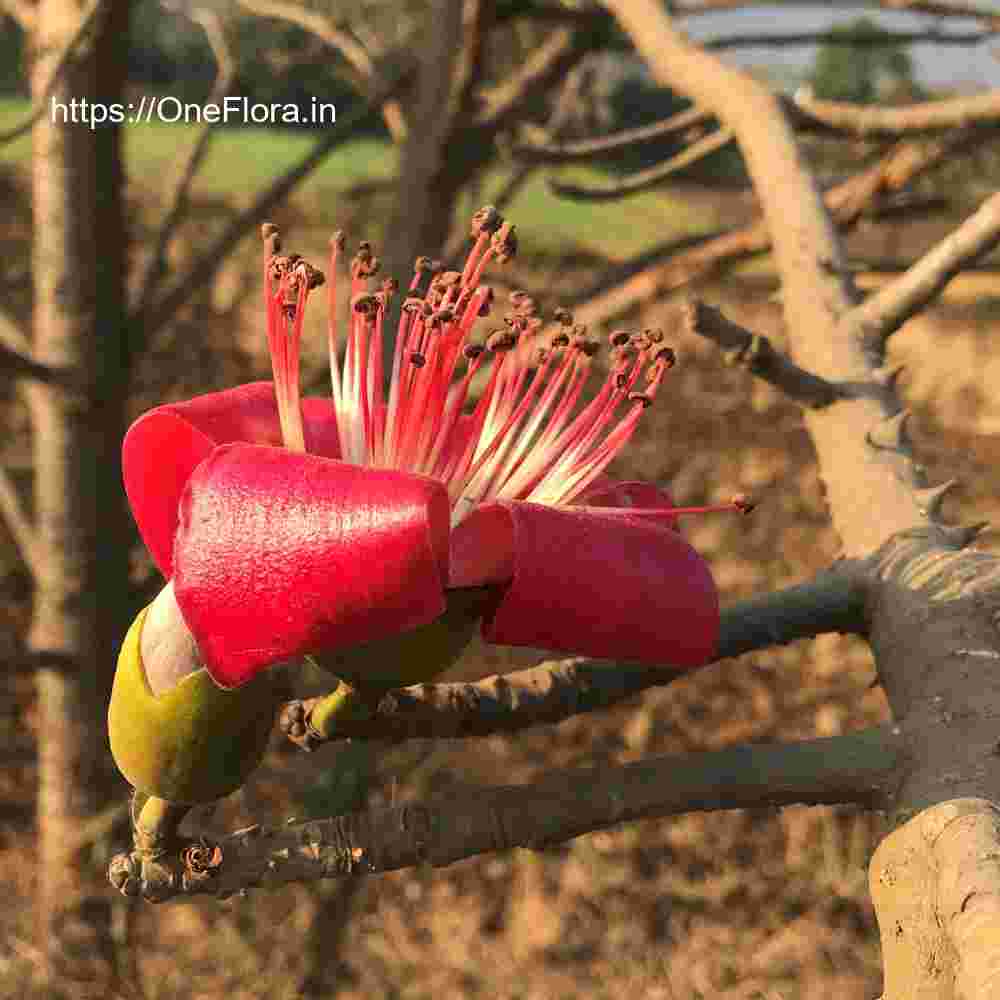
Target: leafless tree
{"type": "Point", "coordinates": [914, 587]}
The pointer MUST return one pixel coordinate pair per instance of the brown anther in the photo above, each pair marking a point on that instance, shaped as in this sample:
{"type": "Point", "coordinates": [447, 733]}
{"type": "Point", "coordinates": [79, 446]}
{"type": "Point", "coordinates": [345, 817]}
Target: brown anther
{"type": "Point", "coordinates": [472, 351]}
{"type": "Point", "coordinates": [655, 335]}
{"type": "Point", "coordinates": [413, 305]}
{"type": "Point", "coordinates": [641, 341]}
{"type": "Point", "coordinates": [202, 859]}
{"type": "Point", "coordinates": [743, 503]}
{"type": "Point", "coordinates": [619, 338]}
{"type": "Point", "coordinates": [271, 237]}
{"type": "Point", "coordinates": [448, 279]}
{"type": "Point", "coordinates": [423, 264]}
{"type": "Point", "coordinates": [505, 243]}
{"type": "Point", "coordinates": [486, 220]}
{"type": "Point", "coordinates": [390, 286]}
{"type": "Point", "coordinates": [563, 316]}
{"type": "Point", "coordinates": [640, 397]}
{"type": "Point", "coordinates": [667, 356]}
{"type": "Point", "coordinates": [560, 339]}
{"type": "Point", "coordinates": [338, 240]}
{"type": "Point", "coordinates": [621, 380]}
{"type": "Point", "coordinates": [365, 248]}
{"type": "Point", "coordinates": [501, 340]}
{"type": "Point", "coordinates": [525, 306]}
{"type": "Point", "coordinates": [516, 296]}
{"type": "Point", "coordinates": [417, 360]}
{"type": "Point", "coordinates": [439, 318]}
{"type": "Point", "coordinates": [314, 276]}
{"type": "Point", "coordinates": [590, 347]}
{"type": "Point", "coordinates": [365, 303]}
{"type": "Point", "coordinates": [540, 355]}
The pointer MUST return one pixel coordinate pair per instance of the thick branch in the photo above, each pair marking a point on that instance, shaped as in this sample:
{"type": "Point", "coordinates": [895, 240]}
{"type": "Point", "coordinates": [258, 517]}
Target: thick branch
{"type": "Point", "coordinates": [857, 768]}
{"type": "Point", "coordinates": [886, 311]}
{"type": "Point", "coordinates": [643, 180]}
{"type": "Point", "coordinates": [551, 692]}
{"type": "Point", "coordinates": [759, 355]}
{"type": "Point", "coordinates": [927, 116]}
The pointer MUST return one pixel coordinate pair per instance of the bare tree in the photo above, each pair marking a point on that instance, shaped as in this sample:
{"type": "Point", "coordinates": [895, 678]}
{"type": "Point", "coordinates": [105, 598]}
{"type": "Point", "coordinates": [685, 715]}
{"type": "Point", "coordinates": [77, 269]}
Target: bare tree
{"type": "Point", "coordinates": [911, 585]}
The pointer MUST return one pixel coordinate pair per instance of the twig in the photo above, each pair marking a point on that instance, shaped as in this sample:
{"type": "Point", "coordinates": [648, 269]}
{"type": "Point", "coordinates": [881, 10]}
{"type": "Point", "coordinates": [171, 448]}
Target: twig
{"type": "Point", "coordinates": [587, 149]}
{"type": "Point", "coordinates": [62, 63]}
{"type": "Point", "coordinates": [645, 278]}
{"type": "Point", "coordinates": [19, 365]}
{"type": "Point", "coordinates": [645, 179]}
{"type": "Point", "coordinates": [759, 355]}
{"type": "Point", "coordinates": [887, 310]}
{"type": "Point", "coordinates": [18, 522]}
{"type": "Point", "coordinates": [548, 62]}
{"type": "Point", "coordinates": [932, 8]}
{"type": "Point", "coordinates": [202, 270]}
{"type": "Point", "coordinates": [188, 165]}
{"type": "Point", "coordinates": [858, 768]}
{"type": "Point", "coordinates": [12, 336]}
{"type": "Point", "coordinates": [926, 116]}
{"type": "Point", "coordinates": [354, 53]}
{"type": "Point", "coordinates": [553, 691]}
{"type": "Point", "coordinates": [845, 39]}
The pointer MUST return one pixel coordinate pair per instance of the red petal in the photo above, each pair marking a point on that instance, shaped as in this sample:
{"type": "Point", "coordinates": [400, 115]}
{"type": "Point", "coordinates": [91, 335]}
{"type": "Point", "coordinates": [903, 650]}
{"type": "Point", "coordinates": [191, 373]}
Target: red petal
{"type": "Point", "coordinates": [163, 446]}
{"type": "Point", "coordinates": [606, 585]}
{"type": "Point", "coordinates": [280, 554]}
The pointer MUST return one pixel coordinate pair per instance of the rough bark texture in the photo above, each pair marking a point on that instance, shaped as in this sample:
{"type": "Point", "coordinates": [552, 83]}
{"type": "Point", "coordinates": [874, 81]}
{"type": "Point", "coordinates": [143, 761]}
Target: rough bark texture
{"type": "Point", "coordinates": [78, 264]}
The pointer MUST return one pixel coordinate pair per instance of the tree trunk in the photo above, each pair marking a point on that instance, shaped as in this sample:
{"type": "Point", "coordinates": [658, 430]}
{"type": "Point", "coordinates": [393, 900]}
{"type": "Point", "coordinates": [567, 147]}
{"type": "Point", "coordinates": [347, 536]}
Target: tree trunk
{"type": "Point", "coordinates": [80, 594]}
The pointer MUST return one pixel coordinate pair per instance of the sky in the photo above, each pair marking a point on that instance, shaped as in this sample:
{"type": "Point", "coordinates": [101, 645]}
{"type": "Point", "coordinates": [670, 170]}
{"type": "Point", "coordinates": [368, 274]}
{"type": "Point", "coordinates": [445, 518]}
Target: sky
{"type": "Point", "coordinates": [966, 67]}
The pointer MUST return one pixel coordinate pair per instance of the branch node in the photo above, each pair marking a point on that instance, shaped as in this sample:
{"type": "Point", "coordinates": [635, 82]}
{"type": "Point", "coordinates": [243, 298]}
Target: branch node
{"type": "Point", "coordinates": [930, 498]}
{"type": "Point", "coordinates": [890, 434]}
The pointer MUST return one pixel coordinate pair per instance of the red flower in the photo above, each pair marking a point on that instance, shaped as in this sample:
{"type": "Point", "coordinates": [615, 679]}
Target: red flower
{"type": "Point", "coordinates": [295, 526]}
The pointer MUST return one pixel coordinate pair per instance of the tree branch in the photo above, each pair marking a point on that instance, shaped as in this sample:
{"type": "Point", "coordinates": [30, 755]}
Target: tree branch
{"type": "Point", "coordinates": [203, 269]}
{"type": "Point", "coordinates": [643, 180]}
{"type": "Point", "coordinates": [87, 21]}
{"type": "Point", "coordinates": [926, 116]}
{"type": "Point", "coordinates": [548, 62]}
{"type": "Point", "coordinates": [19, 523]}
{"type": "Point", "coordinates": [353, 52]}
{"type": "Point", "coordinates": [760, 356]}
{"type": "Point", "coordinates": [187, 167]}
{"type": "Point", "coordinates": [833, 601]}
{"type": "Point", "coordinates": [587, 149]}
{"type": "Point", "coordinates": [844, 39]}
{"type": "Point", "coordinates": [649, 276]}
{"type": "Point", "coordinates": [887, 310]}
{"type": "Point", "coordinates": [858, 768]}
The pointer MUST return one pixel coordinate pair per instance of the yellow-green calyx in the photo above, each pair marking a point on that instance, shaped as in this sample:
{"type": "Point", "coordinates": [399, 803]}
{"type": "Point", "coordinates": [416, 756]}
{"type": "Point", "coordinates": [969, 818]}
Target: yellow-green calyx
{"type": "Point", "coordinates": [195, 742]}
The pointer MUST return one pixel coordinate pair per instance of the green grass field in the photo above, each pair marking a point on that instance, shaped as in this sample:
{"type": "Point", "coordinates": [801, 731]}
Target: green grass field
{"type": "Point", "coordinates": [241, 161]}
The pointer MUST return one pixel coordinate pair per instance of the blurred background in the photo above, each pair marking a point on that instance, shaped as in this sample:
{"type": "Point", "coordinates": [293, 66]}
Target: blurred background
{"type": "Point", "coordinates": [131, 264]}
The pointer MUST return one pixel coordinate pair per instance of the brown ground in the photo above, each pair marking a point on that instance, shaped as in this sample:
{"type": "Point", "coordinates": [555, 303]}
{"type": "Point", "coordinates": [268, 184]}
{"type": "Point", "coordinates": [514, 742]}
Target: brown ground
{"type": "Point", "coordinates": [760, 904]}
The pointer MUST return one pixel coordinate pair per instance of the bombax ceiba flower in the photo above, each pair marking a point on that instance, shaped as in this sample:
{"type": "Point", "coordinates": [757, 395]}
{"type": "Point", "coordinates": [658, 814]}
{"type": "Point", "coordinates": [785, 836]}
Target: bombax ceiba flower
{"type": "Point", "coordinates": [451, 480]}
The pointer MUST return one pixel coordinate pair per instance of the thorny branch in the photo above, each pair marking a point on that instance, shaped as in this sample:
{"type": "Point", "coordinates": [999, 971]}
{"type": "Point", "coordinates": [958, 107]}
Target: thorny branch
{"type": "Point", "coordinates": [564, 804]}
{"type": "Point", "coordinates": [550, 692]}
{"type": "Point", "coordinates": [760, 356]}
